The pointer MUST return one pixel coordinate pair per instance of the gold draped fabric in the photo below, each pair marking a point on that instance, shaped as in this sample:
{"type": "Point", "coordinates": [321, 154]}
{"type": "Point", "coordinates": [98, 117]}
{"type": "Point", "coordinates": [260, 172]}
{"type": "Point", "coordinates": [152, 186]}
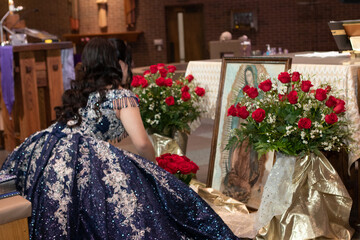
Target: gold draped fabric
{"type": "Point", "coordinates": [320, 206]}
{"type": "Point", "coordinates": [234, 213]}
{"type": "Point", "coordinates": [164, 144]}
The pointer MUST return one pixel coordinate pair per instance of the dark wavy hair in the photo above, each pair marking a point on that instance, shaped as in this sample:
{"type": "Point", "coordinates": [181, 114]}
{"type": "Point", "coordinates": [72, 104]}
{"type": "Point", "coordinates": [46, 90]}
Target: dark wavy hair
{"type": "Point", "coordinates": [100, 71]}
{"type": "Point", "coordinates": [123, 52]}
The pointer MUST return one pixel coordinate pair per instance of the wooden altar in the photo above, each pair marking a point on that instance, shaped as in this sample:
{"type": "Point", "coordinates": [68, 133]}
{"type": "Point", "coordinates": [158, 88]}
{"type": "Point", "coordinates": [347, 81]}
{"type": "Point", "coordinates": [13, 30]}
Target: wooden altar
{"type": "Point", "coordinates": [38, 89]}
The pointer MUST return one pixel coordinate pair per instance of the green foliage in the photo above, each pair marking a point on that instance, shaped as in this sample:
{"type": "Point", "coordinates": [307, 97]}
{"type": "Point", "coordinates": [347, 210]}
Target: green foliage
{"type": "Point", "coordinates": [280, 131]}
{"type": "Point", "coordinates": [158, 116]}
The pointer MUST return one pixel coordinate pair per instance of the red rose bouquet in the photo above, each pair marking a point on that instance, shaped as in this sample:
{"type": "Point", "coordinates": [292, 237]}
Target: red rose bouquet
{"type": "Point", "coordinates": [167, 104]}
{"type": "Point", "coordinates": [289, 115]}
{"type": "Point", "coordinates": [180, 166]}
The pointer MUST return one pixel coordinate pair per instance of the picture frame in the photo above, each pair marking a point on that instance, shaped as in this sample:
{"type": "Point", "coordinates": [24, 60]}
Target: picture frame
{"type": "Point", "coordinates": [242, 20]}
{"type": "Point", "coordinates": [240, 174]}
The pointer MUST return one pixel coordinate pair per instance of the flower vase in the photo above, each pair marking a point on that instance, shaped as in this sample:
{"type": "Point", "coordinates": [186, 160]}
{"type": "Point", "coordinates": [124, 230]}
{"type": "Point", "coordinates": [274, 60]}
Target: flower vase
{"type": "Point", "coordinates": [304, 198]}
{"type": "Point", "coordinates": [163, 144]}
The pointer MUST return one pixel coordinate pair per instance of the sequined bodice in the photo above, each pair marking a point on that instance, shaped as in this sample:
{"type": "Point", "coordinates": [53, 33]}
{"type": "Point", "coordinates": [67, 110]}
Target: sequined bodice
{"type": "Point", "coordinates": [100, 119]}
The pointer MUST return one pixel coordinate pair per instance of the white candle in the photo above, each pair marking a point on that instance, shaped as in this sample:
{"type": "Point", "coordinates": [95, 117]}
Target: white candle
{"type": "Point", "coordinates": [11, 5]}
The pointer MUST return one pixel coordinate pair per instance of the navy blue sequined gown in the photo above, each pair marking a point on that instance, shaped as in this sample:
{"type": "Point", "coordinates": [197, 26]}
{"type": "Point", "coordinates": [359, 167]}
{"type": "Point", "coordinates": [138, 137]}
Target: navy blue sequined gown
{"type": "Point", "coordinates": [81, 187]}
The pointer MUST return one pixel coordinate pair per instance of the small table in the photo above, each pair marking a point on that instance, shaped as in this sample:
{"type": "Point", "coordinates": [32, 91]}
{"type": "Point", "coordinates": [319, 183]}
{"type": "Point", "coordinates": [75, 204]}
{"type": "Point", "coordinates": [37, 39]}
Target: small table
{"type": "Point", "coordinates": [342, 72]}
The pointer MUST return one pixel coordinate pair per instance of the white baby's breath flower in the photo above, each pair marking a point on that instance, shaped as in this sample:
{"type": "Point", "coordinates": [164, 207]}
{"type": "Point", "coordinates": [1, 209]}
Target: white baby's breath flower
{"type": "Point", "coordinates": [302, 134]}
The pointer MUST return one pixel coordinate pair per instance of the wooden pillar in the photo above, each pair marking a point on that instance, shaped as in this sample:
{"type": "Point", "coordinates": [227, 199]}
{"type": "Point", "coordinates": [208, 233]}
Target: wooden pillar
{"type": "Point", "coordinates": [29, 120]}
{"type": "Point", "coordinates": [54, 75]}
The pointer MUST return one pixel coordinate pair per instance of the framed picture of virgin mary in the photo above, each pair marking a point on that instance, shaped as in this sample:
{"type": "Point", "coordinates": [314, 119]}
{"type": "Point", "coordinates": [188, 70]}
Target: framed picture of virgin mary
{"type": "Point", "coordinates": [239, 173]}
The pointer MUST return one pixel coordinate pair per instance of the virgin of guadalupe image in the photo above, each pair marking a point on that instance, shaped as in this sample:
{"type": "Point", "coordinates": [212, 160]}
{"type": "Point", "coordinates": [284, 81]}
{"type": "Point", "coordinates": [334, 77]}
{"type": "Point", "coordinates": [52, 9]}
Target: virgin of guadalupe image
{"type": "Point", "coordinates": [241, 168]}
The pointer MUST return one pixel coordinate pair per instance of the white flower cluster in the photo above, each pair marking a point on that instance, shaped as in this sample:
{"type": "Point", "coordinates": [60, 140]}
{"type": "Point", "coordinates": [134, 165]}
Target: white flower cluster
{"type": "Point", "coordinates": [152, 122]}
{"type": "Point", "coordinates": [303, 135]}
{"type": "Point", "coordinates": [316, 131]}
{"type": "Point", "coordinates": [307, 106]}
{"type": "Point", "coordinates": [151, 106]}
{"type": "Point", "coordinates": [290, 129]}
{"type": "Point", "coordinates": [282, 89]}
{"type": "Point", "coordinates": [271, 118]}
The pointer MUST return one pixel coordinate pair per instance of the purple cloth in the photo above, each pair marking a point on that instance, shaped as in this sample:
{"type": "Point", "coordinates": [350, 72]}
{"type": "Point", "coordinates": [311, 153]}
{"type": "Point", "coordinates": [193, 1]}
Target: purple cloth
{"type": "Point", "coordinates": [7, 76]}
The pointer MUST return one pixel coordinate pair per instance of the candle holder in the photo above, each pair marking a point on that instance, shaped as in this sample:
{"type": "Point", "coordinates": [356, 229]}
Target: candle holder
{"type": "Point", "coordinates": [2, 27]}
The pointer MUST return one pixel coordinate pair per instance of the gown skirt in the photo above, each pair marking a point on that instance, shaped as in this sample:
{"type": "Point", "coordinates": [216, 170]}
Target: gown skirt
{"type": "Point", "coordinates": [82, 187]}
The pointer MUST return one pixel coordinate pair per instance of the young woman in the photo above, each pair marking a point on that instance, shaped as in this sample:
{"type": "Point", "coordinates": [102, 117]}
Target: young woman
{"type": "Point", "coordinates": [81, 187]}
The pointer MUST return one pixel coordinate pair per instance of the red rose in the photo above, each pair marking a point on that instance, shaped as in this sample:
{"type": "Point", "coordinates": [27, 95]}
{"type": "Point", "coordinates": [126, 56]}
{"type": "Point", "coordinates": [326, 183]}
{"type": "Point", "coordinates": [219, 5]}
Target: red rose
{"type": "Point", "coordinates": [186, 159]}
{"type": "Point", "coordinates": [200, 91]}
{"type": "Point", "coordinates": [185, 96]}
{"type": "Point", "coordinates": [163, 72]}
{"type": "Point", "coordinates": [160, 81]}
{"type": "Point", "coordinates": [195, 167]}
{"type": "Point", "coordinates": [178, 82]}
{"type": "Point", "coordinates": [189, 78]}
{"type": "Point", "coordinates": [339, 108]}
{"type": "Point", "coordinates": [172, 167]}
{"type": "Point", "coordinates": [171, 68]}
{"type": "Point", "coordinates": [242, 112]}
{"type": "Point", "coordinates": [331, 102]}
{"type": "Point", "coordinates": [168, 82]}
{"type": "Point", "coordinates": [284, 77]}
{"type": "Point", "coordinates": [153, 69]}
{"type": "Point", "coordinates": [144, 83]}
{"type": "Point", "coordinates": [282, 97]}
{"type": "Point", "coordinates": [295, 76]}
{"type": "Point", "coordinates": [252, 92]}
{"type": "Point", "coordinates": [258, 115]}
{"type": "Point", "coordinates": [320, 94]}
{"type": "Point", "coordinates": [185, 88]}
{"type": "Point", "coordinates": [185, 167]}
{"type": "Point", "coordinates": [265, 85]}
{"type": "Point", "coordinates": [328, 89]}
{"type": "Point", "coordinates": [232, 111]}
{"type": "Point", "coordinates": [160, 66]}
{"type": "Point", "coordinates": [138, 98]}
{"type": "Point", "coordinates": [146, 73]}
{"type": "Point", "coordinates": [293, 97]}
{"type": "Point", "coordinates": [246, 88]}
{"type": "Point", "coordinates": [135, 81]}
{"type": "Point", "coordinates": [304, 123]}
{"type": "Point", "coordinates": [170, 170]}
{"type": "Point", "coordinates": [339, 101]}
{"type": "Point", "coordinates": [306, 85]}
{"type": "Point", "coordinates": [331, 118]}
{"type": "Point", "coordinates": [170, 101]}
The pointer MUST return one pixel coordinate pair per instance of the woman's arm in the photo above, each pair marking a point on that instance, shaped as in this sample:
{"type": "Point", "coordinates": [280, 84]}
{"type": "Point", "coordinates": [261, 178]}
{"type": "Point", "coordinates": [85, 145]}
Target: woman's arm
{"type": "Point", "coordinates": [131, 119]}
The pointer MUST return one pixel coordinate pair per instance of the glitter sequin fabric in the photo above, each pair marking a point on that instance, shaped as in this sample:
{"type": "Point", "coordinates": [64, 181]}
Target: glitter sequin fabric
{"type": "Point", "coordinates": [81, 187]}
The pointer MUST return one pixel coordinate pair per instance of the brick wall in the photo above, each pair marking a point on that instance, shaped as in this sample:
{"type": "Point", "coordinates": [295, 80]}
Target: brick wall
{"type": "Point", "coordinates": [52, 16]}
{"type": "Point", "coordinates": [88, 13]}
{"type": "Point", "coordinates": [288, 24]}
